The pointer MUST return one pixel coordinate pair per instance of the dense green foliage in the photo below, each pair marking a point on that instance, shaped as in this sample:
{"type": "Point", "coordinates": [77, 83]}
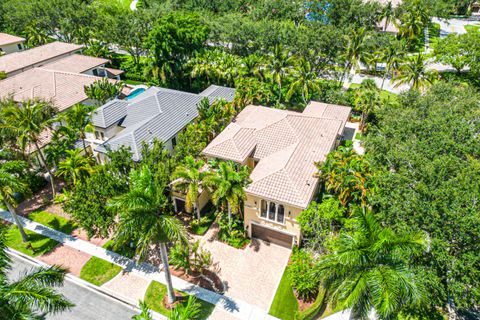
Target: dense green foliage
{"type": "Point", "coordinates": [427, 151]}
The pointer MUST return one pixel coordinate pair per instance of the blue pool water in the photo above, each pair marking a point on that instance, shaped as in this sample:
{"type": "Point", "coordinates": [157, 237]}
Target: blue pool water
{"type": "Point", "coordinates": [135, 93]}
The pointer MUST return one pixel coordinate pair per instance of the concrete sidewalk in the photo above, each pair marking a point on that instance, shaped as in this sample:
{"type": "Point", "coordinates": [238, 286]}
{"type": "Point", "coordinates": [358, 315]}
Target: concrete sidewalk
{"type": "Point", "coordinates": [237, 308]}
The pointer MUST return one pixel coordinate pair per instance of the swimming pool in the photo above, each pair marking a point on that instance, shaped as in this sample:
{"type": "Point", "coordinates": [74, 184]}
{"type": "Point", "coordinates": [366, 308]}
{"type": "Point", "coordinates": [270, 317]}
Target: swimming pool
{"type": "Point", "coordinates": [135, 93]}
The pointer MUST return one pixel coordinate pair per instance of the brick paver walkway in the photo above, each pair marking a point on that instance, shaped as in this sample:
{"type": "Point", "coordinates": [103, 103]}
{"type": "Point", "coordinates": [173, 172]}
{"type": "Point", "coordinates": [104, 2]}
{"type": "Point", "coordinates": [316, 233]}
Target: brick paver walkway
{"type": "Point", "coordinates": [66, 257]}
{"type": "Point", "coordinates": [236, 307]}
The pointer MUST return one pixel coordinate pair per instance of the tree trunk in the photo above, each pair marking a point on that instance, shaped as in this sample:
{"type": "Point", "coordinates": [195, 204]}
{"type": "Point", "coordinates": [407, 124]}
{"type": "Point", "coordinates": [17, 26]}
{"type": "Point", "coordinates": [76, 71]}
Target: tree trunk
{"type": "Point", "coordinates": [17, 221]}
{"type": "Point", "coordinates": [166, 270]}
{"type": "Point", "coordinates": [44, 162]}
{"type": "Point", "coordinates": [384, 76]}
{"type": "Point", "coordinates": [363, 121]}
{"type": "Point", "coordinates": [195, 209]}
{"type": "Point", "coordinates": [229, 214]}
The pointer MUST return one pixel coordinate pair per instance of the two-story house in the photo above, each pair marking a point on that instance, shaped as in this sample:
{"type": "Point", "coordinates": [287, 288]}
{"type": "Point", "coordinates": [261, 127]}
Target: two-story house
{"type": "Point", "coordinates": [156, 113]}
{"type": "Point", "coordinates": [281, 148]}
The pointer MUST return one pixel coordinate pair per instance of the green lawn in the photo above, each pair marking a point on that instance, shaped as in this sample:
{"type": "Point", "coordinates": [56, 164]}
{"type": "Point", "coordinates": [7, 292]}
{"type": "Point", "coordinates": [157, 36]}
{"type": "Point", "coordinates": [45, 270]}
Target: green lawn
{"type": "Point", "coordinates": [125, 251]}
{"type": "Point", "coordinates": [284, 305]}
{"type": "Point", "coordinates": [53, 221]}
{"type": "Point", "coordinates": [434, 33]}
{"type": "Point", "coordinates": [156, 293]}
{"type": "Point", "coordinates": [99, 271]}
{"type": "Point", "coordinates": [36, 245]}
{"type": "Point", "coordinates": [207, 212]}
{"type": "Point", "coordinates": [472, 28]}
{"type": "Point", "coordinates": [384, 94]}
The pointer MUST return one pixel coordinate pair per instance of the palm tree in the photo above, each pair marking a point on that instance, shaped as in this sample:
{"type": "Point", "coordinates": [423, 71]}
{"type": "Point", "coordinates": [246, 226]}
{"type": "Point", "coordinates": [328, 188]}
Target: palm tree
{"type": "Point", "coordinates": [393, 55]}
{"type": "Point", "coordinates": [75, 167]}
{"type": "Point", "coordinates": [252, 66]}
{"type": "Point", "coordinates": [189, 311]}
{"type": "Point", "coordinates": [103, 90]}
{"type": "Point", "coordinates": [367, 100]}
{"type": "Point", "coordinates": [227, 186]}
{"type": "Point", "coordinates": [415, 73]}
{"type": "Point", "coordinates": [348, 175]}
{"type": "Point", "coordinates": [305, 80]}
{"type": "Point", "coordinates": [387, 14]}
{"type": "Point", "coordinates": [190, 177]}
{"type": "Point", "coordinates": [279, 63]}
{"type": "Point", "coordinates": [33, 295]}
{"type": "Point", "coordinates": [79, 119]}
{"type": "Point", "coordinates": [368, 268]}
{"type": "Point", "coordinates": [354, 50]}
{"type": "Point", "coordinates": [27, 122]}
{"type": "Point", "coordinates": [144, 216]}
{"type": "Point", "coordinates": [9, 185]}
{"type": "Point", "coordinates": [144, 313]}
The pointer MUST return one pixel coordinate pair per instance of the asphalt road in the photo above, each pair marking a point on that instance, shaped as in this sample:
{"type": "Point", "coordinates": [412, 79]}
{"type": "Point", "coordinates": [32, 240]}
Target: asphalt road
{"type": "Point", "coordinates": [89, 305]}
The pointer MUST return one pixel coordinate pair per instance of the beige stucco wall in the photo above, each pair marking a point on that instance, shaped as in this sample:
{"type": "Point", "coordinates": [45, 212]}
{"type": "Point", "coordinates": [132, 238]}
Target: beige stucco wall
{"type": "Point", "coordinates": [203, 198]}
{"type": "Point", "coordinates": [12, 47]}
{"type": "Point", "coordinates": [252, 214]}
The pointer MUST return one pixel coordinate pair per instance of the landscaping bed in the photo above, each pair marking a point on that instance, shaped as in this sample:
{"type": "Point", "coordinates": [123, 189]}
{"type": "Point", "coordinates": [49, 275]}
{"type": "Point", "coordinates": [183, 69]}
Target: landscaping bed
{"type": "Point", "coordinates": [215, 284]}
{"type": "Point", "coordinates": [156, 295]}
{"type": "Point", "coordinates": [99, 271]}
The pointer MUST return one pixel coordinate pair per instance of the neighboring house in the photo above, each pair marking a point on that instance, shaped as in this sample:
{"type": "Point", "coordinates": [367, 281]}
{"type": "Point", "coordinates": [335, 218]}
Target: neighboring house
{"type": "Point", "coordinates": [18, 62]}
{"type": "Point", "coordinates": [54, 72]}
{"type": "Point", "coordinates": [10, 43]}
{"type": "Point", "coordinates": [155, 113]}
{"type": "Point", "coordinates": [63, 89]}
{"type": "Point", "coordinates": [390, 28]}
{"type": "Point", "coordinates": [281, 147]}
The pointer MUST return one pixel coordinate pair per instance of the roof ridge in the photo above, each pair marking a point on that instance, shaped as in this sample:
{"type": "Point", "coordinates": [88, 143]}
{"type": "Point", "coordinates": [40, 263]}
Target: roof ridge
{"type": "Point", "coordinates": [65, 72]}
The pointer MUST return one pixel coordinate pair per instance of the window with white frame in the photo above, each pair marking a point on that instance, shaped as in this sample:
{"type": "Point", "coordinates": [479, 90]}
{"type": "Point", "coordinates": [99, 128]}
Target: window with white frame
{"type": "Point", "coordinates": [271, 211]}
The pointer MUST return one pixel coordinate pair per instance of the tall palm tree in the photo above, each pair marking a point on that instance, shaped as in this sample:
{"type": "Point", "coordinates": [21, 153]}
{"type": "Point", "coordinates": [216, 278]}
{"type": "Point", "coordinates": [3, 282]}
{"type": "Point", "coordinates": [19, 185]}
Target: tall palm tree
{"type": "Point", "coordinates": [394, 55]}
{"type": "Point", "coordinates": [368, 268]}
{"type": "Point", "coordinates": [252, 66]}
{"type": "Point", "coordinates": [305, 80]}
{"type": "Point", "coordinates": [367, 100]}
{"type": "Point", "coordinates": [75, 167]}
{"type": "Point", "coordinates": [79, 119]}
{"type": "Point", "coordinates": [190, 178]}
{"type": "Point", "coordinates": [387, 14]}
{"type": "Point", "coordinates": [144, 216]}
{"type": "Point", "coordinates": [27, 122]}
{"type": "Point", "coordinates": [33, 295]}
{"type": "Point", "coordinates": [279, 63]}
{"type": "Point", "coordinates": [354, 50]}
{"type": "Point", "coordinates": [9, 185]}
{"type": "Point", "coordinates": [416, 74]}
{"type": "Point", "coordinates": [227, 186]}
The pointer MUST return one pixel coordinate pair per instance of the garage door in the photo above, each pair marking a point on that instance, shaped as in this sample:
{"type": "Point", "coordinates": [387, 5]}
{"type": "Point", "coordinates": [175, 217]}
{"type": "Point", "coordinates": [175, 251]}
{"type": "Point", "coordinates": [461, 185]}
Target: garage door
{"type": "Point", "coordinates": [271, 236]}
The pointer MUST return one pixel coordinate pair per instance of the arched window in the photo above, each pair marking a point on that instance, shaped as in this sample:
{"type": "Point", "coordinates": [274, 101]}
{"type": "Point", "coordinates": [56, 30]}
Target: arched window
{"type": "Point", "coordinates": [280, 213]}
{"type": "Point", "coordinates": [264, 207]}
{"type": "Point", "coordinates": [271, 211]}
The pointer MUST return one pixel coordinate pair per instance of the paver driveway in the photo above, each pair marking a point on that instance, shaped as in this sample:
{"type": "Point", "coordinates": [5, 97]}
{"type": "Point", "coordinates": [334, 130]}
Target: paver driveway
{"type": "Point", "coordinates": [253, 273]}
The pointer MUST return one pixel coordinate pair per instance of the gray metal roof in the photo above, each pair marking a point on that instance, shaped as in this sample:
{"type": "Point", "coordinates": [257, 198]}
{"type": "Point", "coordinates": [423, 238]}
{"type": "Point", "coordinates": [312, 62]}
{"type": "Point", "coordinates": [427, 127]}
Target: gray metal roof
{"type": "Point", "coordinates": [110, 113]}
{"type": "Point", "coordinates": [156, 113]}
{"type": "Point", "coordinates": [219, 92]}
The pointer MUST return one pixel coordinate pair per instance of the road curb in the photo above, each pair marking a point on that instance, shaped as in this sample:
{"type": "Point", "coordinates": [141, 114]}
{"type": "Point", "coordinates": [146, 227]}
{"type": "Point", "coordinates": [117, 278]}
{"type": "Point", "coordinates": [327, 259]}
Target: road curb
{"type": "Point", "coordinates": [129, 303]}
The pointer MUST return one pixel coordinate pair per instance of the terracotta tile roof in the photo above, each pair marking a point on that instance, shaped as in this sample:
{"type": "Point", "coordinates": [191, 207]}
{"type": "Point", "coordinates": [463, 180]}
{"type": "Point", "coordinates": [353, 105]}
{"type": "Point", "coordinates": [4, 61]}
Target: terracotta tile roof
{"type": "Point", "coordinates": [63, 89]}
{"type": "Point", "coordinates": [286, 144]}
{"type": "Point", "coordinates": [6, 38]}
{"type": "Point", "coordinates": [76, 63]}
{"type": "Point", "coordinates": [115, 72]}
{"type": "Point", "coordinates": [28, 58]}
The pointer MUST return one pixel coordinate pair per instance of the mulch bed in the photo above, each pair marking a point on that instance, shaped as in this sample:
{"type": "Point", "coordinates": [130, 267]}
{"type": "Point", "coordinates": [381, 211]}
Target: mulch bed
{"type": "Point", "coordinates": [199, 281]}
{"type": "Point", "coordinates": [40, 200]}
